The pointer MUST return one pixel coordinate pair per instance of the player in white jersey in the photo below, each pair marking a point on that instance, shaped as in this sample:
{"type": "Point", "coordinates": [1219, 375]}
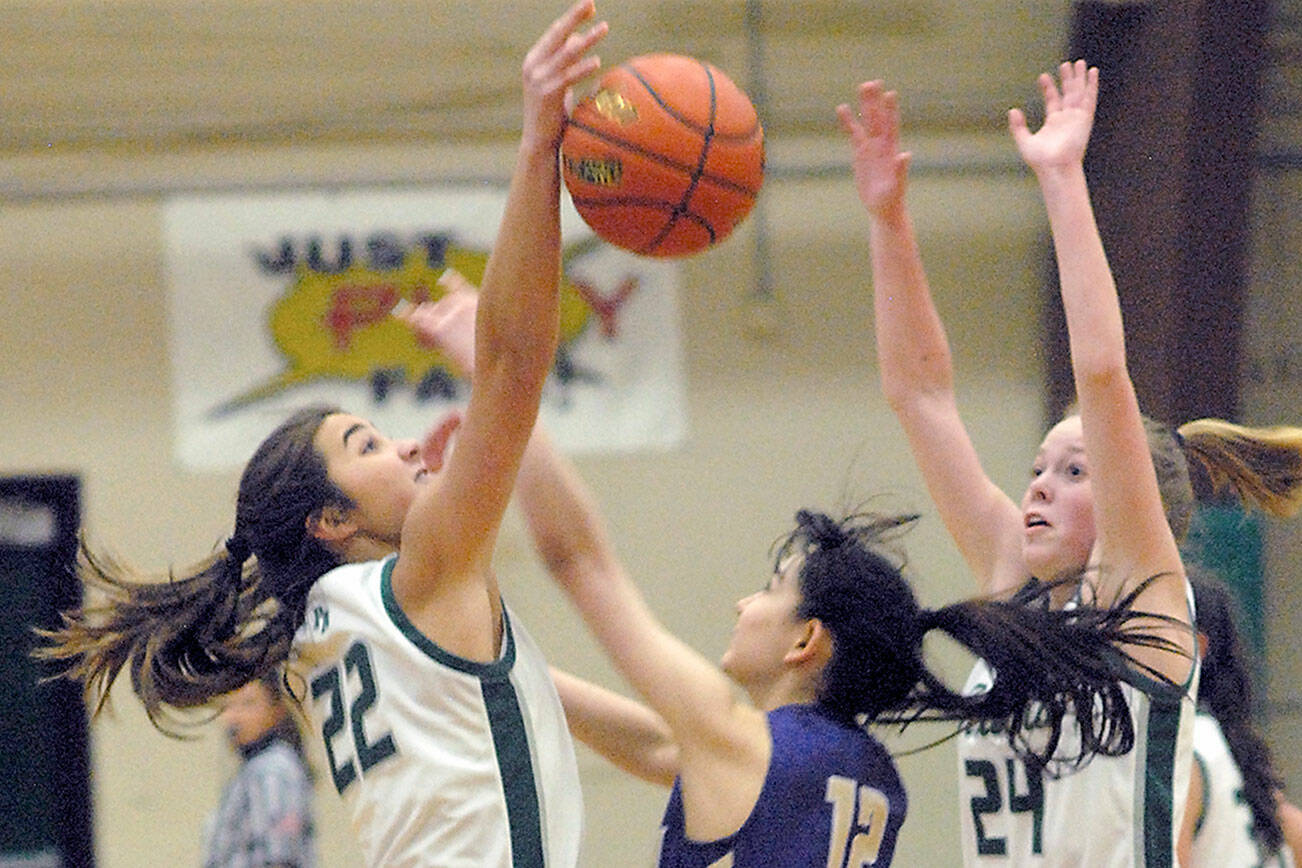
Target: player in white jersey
{"type": "Point", "coordinates": [832, 642]}
{"type": "Point", "coordinates": [491, 739]}
{"type": "Point", "coordinates": [1104, 483]}
{"type": "Point", "coordinates": [1010, 813]}
{"type": "Point", "coordinates": [1222, 823]}
{"type": "Point", "coordinates": [1236, 810]}
{"type": "Point", "coordinates": [443, 732]}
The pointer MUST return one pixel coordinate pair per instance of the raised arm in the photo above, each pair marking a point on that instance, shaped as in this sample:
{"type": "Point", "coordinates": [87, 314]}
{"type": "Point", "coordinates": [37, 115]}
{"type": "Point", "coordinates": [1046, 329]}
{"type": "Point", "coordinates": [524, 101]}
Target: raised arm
{"type": "Point", "coordinates": [723, 745]}
{"type": "Point", "coordinates": [694, 727]}
{"type": "Point", "coordinates": [450, 530]}
{"type": "Point", "coordinates": [624, 731]}
{"type": "Point", "coordinates": [914, 357]}
{"type": "Point", "coordinates": [1134, 541]}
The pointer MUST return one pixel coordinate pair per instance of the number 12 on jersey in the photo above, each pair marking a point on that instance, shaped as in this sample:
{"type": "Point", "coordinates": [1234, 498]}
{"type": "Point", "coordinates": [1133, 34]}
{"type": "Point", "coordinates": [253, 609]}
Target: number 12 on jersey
{"type": "Point", "coordinates": [859, 815]}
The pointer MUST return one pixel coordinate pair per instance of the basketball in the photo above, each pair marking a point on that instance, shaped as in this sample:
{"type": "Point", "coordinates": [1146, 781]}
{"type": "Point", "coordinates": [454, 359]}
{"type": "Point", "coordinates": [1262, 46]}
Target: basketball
{"type": "Point", "coordinates": [666, 157]}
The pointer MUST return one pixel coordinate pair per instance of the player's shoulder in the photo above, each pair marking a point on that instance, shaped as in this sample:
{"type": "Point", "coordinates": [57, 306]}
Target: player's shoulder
{"type": "Point", "coordinates": [346, 601]}
{"type": "Point", "coordinates": [807, 733]}
{"type": "Point", "coordinates": [352, 582]}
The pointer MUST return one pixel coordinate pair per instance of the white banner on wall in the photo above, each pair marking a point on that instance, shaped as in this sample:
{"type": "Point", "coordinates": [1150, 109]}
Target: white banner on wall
{"type": "Point", "coordinates": [279, 300]}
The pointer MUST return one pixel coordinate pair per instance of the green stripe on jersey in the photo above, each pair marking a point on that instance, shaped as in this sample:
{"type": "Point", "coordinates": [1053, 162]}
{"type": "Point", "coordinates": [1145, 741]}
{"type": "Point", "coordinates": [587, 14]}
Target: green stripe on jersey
{"type": "Point", "coordinates": [511, 741]}
{"type": "Point", "coordinates": [499, 668]}
{"type": "Point", "coordinates": [505, 721]}
{"type": "Point", "coordinates": [1161, 731]}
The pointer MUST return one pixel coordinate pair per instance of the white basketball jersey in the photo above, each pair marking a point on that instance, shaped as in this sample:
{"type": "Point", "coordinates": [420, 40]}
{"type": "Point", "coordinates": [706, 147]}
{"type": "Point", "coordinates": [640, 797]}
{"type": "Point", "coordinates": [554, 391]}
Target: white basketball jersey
{"type": "Point", "coordinates": [442, 761]}
{"type": "Point", "coordinates": [1113, 812]}
{"type": "Point", "coordinates": [1224, 837]}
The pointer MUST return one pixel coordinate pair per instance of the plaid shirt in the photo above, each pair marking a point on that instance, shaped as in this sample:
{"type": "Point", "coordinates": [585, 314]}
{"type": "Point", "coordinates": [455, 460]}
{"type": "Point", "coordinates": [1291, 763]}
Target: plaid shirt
{"type": "Point", "coordinates": [265, 815]}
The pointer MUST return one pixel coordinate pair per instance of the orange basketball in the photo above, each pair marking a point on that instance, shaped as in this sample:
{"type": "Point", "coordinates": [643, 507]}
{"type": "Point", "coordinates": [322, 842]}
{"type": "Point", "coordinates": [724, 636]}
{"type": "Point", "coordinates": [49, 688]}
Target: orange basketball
{"type": "Point", "coordinates": [666, 157]}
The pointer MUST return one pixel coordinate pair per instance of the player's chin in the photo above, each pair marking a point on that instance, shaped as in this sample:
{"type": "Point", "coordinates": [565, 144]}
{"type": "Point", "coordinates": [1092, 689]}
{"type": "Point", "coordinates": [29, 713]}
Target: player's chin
{"type": "Point", "coordinates": [1038, 555]}
{"type": "Point", "coordinates": [726, 663]}
{"type": "Point", "coordinates": [1049, 563]}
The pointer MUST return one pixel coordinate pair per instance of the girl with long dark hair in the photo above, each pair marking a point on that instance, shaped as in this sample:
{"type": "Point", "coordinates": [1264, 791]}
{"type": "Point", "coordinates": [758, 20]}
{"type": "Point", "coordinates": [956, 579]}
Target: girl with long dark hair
{"type": "Point", "coordinates": [832, 643]}
{"type": "Point", "coordinates": [1235, 796]}
{"type": "Point", "coordinates": [363, 565]}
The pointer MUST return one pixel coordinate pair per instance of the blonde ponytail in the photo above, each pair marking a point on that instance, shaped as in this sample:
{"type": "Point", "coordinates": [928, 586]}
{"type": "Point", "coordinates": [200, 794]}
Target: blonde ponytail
{"type": "Point", "coordinates": [1263, 466]}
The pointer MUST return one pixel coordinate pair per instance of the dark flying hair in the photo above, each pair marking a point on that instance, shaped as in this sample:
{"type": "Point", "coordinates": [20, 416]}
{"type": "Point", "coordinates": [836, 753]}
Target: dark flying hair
{"type": "Point", "coordinates": [191, 636]}
{"type": "Point", "coordinates": [1225, 690]}
{"type": "Point", "coordinates": [1049, 663]}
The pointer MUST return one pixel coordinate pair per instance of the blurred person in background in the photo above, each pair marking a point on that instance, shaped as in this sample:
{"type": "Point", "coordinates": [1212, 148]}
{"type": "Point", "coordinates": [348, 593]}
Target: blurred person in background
{"type": "Point", "coordinates": [264, 818]}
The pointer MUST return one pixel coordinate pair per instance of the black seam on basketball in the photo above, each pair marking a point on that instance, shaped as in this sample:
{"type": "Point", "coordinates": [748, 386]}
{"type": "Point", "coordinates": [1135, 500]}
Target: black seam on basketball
{"type": "Point", "coordinates": [717, 180]}
{"type": "Point", "coordinates": [668, 109]}
{"type": "Point", "coordinates": [625, 201]}
{"type": "Point", "coordinates": [653, 205]}
{"type": "Point", "coordinates": [707, 136]}
{"type": "Point", "coordinates": [672, 222]}
{"type": "Point", "coordinates": [747, 135]}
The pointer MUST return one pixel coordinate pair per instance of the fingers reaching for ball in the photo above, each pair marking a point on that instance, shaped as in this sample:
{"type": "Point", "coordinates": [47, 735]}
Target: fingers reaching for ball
{"type": "Point", "coordinates": [557, 61]}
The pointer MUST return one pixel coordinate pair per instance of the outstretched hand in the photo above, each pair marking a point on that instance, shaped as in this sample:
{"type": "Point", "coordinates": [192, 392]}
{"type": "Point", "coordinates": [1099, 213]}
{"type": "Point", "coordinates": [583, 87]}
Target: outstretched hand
{"type": "Point", "coordinates": [880, 168]}
{"type": "Point", "coordinates": [557, 61]}
{"type": "Point", "coordinates": [447, 325]}
{"type": "Point", "coordinates": [434, 445]}
{"type": "Point", "coordinates": [1068, 119]}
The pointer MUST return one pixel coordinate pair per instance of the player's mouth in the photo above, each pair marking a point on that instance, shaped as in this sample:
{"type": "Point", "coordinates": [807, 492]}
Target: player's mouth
{"type": "Point", "coordinates": [1034, 520]}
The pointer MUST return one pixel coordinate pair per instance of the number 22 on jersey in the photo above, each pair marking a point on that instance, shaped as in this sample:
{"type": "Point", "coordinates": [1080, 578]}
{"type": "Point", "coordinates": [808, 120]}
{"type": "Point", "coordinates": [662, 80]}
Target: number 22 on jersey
{"type": "Point", "coordinates": [337, 684]}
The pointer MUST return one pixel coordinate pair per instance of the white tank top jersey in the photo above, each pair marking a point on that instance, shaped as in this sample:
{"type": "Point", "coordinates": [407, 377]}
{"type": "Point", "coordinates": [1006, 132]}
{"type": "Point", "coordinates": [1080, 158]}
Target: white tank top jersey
{"type": "Point", "coordinates": [1224, 837]}
{"type": "Point", "coordinates": [441, 761]}
{"type": "Point", "coordinates": [1112, 812]}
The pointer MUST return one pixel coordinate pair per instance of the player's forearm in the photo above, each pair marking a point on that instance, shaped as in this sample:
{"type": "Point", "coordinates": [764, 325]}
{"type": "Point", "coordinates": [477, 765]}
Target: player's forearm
{"type": "Point", "coordinates": [518, 309]}
{"type": "Point", "coordinates": [558, 510]}
{"type": "Point", "coordinates": [1089, 293]}
{"type": "Point", "coordinates": [912, 348]}
{"type": "Point", "coordinates": [625, 732]}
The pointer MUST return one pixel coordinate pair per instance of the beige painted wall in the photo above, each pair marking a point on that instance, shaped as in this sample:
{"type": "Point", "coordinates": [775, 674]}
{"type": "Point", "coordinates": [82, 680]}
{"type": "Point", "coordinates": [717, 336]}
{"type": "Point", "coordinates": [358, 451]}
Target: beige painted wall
{"type": "Point", "coordinates": [794, 418]}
